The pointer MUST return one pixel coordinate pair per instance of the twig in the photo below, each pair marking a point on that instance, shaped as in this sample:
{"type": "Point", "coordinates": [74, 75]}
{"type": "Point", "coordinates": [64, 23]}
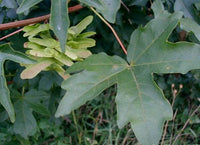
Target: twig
{"type": "Point", "coordinates": [174, 94]}
{"type": "Point", "coordinates": [173, 126]}
{"type": "Point", "coordinates": [34, 20]}
{"type": "Point", "coordinates": [186, 123]}
{"type": "Point", "coordinates": [11, 34]}
{"type": "Point", "coordinates": [125, 6]}
{"type": "Point", "coordinates": [126, 137]}
{"type": "Point", "coordinates": [116, 36]}
{"type": "Point", "coordinates": [76, 126]}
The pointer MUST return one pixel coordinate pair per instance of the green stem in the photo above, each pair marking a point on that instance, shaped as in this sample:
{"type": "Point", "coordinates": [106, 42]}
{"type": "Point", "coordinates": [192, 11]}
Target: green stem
{"type": "Point", "coordinates": [76, 125]}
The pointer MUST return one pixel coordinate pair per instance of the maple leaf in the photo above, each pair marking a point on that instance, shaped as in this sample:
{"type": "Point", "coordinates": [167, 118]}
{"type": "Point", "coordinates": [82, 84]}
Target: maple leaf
{"type": "Point", "coordinates": [7, 53]}
{"type": "Point", "coordinates": [139, 100]}
{"type": "Point", "coordinates": [25, 123]}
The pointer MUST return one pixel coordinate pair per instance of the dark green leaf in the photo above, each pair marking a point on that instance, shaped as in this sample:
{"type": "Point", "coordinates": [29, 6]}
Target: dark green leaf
{"type": "Point", "coordinates": [23, 141]}
{"type": "Point", "coordinates": [25, 123]}
{"type": "Point", "coordinates": [27, 4]}
{"type": "Point", "coordinates": [3, 116]}
{"type": "Point", "coordinates": [107, 8]}
{"type": "Point", "coordinates": [139, 100]}
{"type": "Point", "coordinates": [9, 4]}
{"type": "Point", "coordinates": [60, 20]}
{"type": "Point", "coordinates": [39, 108]}
{"type": "Point", "coordinates": [139, 2]}
{"type": "Point", "coordinates": [36, 96]}
{"type": "Point", "coordinates": [46, 84]}
{"type": "Point", "coordinates": [7, 53]}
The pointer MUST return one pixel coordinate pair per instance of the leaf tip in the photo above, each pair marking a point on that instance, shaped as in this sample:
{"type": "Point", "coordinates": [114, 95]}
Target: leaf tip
{"type": "Point", "coordinates": [12, 116]}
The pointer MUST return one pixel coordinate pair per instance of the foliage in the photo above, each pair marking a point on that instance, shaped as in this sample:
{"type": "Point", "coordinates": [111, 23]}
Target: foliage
{"type": "Point", "coordinates": [136, 90]}
{"type": "Point", "coordinates": [60, 21]}
{"type": "Point", "coordinates": [153, 51]}
{"type": "Point", "coordinates": [6, 52]}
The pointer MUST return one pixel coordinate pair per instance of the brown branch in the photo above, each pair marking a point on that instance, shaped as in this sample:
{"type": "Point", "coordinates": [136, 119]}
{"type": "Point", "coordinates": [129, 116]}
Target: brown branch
{"type": "Point", "coordinates": [125, 6]}
{"type": "Point", "coordinates": [34, 20]}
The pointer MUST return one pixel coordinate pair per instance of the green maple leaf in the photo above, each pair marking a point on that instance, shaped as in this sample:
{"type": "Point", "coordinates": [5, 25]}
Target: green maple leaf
{"type": "Point", "coordinates": [25, 123]}
{"type": "Point", "coordinates": [7, 53]}
{"type": "Point", "coordinates": [139, 100]}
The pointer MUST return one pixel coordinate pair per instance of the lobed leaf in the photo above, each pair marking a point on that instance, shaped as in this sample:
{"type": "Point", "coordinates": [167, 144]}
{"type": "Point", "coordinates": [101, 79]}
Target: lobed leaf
{"type": "Point", "coordinates": [139, 100]}
{"type": "Point", "coordinates": [7, 53]}
{"type": "Point", "coordinates": [26, 124]}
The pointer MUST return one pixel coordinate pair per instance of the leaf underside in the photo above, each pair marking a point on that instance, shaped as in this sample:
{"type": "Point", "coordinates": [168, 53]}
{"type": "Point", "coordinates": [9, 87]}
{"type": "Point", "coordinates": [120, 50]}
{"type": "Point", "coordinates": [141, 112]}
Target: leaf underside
{"type": "Point", "coordinates": [139, 100]}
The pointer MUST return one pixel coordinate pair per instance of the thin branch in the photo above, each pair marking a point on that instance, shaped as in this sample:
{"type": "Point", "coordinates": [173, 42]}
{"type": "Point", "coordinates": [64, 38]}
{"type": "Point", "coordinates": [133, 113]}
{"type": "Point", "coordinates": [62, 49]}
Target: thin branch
{"type": "Point", "coordinates": [173, 123]}
{"type": "Point", "coordinates": [175, 93]}
{"type": "Point", "coordinates": [114, 32]}
{"type": "Point", "coordinates": [125, 6]}
{"type": "Point", "coordinates": [34, 20]}
{"type": "Point", "coordinates": [11, 34]}
{"type": "Point", "coordinates": [185, 125]}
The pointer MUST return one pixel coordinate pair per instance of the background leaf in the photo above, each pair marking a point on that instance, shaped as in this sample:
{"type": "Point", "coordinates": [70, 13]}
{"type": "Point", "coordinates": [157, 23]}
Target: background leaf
{"type": "Point", "coordinates": [7, 53]}
{"type": "Point", "coordinates": [25, 123]}
{"type": "Point", "coordinates": [9, 3]}
{"type": "Point", "coordinates": [27, 4]}
{"type": "Point", "coordinates": [107, 8]}
{"type": "Point", "coordinates": [138, 2]}
{"type": "Point", "coordinates": [60, 21]}
{"type": "Point", "coordinates": [187, 7]}
{"type": "Point", "coordinates": [190, 26]}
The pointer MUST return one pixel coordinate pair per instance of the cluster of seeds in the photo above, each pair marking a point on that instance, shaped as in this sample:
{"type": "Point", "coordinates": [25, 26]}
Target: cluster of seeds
{"type": "Point", "coordinates": [45, 49]}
